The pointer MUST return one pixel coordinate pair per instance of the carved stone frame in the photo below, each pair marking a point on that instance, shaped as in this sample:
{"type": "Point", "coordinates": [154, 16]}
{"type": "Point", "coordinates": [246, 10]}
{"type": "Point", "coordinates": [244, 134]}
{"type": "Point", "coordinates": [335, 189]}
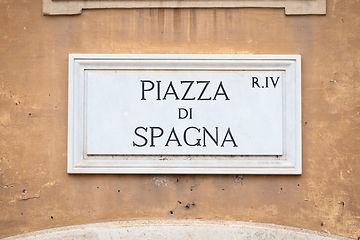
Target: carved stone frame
{"type": "Point", "coordinates": [81, 162]}
{"type": "Point", "coordinates": [292, 7]}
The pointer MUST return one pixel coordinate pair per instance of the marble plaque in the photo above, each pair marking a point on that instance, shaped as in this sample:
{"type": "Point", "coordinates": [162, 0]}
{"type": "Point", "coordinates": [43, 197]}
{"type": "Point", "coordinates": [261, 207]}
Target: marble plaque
{"type": "Point", "coordinates": [184, 114]}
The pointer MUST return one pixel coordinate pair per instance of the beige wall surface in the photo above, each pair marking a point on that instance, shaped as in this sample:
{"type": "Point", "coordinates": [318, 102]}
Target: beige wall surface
{"type": "Point", "coordinates": [35, 190]}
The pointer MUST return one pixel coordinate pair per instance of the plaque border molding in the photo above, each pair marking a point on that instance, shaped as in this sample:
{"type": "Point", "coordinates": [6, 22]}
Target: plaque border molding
{"type": "Point", "coordinates": [288, 163]}
{"type": "Point", "coordinates": [292, 7]}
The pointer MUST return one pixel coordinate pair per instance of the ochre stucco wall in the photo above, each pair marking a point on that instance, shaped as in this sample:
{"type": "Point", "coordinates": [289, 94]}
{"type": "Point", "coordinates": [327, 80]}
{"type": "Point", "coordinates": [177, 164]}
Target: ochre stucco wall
{"type": "Point", "coordinates": [37, 193]}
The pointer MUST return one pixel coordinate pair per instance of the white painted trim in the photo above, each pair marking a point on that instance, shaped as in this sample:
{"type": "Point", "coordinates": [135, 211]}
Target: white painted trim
{"type": "Point", "coordinates": [292, 7]}
{"type": "Point", "coordinates": [176, 229]}
{"type": "Point", "coordinates": [288, 163]}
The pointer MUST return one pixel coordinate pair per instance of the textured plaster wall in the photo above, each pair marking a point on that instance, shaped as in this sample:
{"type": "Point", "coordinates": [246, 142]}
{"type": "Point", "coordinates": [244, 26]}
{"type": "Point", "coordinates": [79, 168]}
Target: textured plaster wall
{"type": "Point", "coordinates": [37, 193]}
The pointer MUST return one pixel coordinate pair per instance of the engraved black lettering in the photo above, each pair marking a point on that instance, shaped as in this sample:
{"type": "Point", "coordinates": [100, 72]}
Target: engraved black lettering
{"type": "Point", "coordinates": [202, 92]}
{"type": "Point", "coordinates": [182, 110]}
{"type": "Point", "coordinates": [198, 140]}
{"type": "Point", "coordinates": [137, 134]}
{"type": "Point", "coordinates": [255, 80]}
{"type": "Point", "coordinates": [267, 82]}
{"type": "Point", "coordinates": [223, 92]}
{"type": "Point", "coordinates": [174, 140]}
{"type": "Point", "coordinates": [143, 90]}
{"type": "Point", "coordinates": [228, 133]}
{"type": "Point", "coordinates": [155, 136]}
{"type": "Point", "coordinates": [187, 90]}
{"type": "Point", "coordinates": [158, 90]}
{"type": "Point", "coordinates": [274, 83]}
{"type": "Point", "coordinates": [214, 140]}
{"type": "Point", "coordinates": [171, 93]}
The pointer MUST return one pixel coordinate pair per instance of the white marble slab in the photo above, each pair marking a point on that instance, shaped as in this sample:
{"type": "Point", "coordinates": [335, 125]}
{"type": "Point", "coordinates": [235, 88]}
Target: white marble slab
{"type": "Point", "coordinates": [248, 118]}
{"type": "Point", "coordinates": [184, 114]}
